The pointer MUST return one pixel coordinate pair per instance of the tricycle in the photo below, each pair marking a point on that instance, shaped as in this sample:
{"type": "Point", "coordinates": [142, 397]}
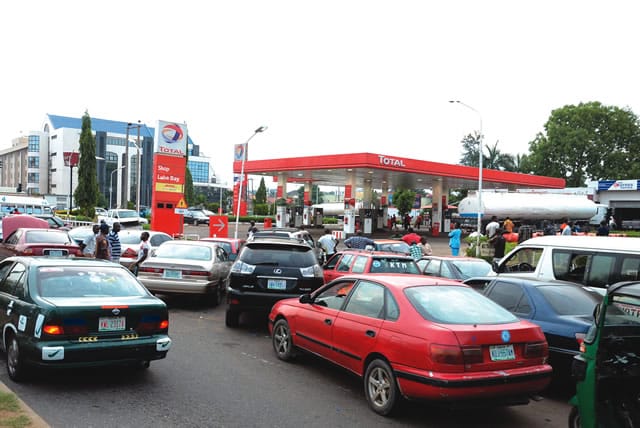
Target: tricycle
{"type": "Point", "coordinates": [607, 371]}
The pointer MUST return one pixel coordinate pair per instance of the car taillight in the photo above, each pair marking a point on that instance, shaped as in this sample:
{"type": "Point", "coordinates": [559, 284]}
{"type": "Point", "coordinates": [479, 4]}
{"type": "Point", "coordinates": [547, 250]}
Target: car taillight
{"type": "Point", "coordinates": [195, 272]}
{"type": "Point", "coordinates": [536, 349]}
{"type": "Point", "coordinates": [150, 270]}
{"type": "Point", "coordinates": [446, 354]}
{"type": "Point", "coordinates": [243, 268]}
{"type": "Point", "coordinates": [456, 355]}
{"type": "Point", "coordinates": [150, 324]}
{"type": "Point", "coordinates": [53, 329]}
{"type": "Point", "coordinates": [580, 339]}
{"type": "Point", "coordinates": [129, 253]}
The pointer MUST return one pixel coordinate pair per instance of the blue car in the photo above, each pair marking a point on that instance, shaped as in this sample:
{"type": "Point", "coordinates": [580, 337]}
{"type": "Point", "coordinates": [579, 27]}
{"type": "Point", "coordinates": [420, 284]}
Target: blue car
{"type": "Point", "coordinates": [563, 310]}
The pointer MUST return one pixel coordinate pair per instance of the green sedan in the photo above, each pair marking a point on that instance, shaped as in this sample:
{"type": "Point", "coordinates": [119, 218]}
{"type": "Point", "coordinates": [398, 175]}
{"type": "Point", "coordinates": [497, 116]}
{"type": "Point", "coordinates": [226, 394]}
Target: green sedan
{"type": "Point", "coordinates": [66, 312]}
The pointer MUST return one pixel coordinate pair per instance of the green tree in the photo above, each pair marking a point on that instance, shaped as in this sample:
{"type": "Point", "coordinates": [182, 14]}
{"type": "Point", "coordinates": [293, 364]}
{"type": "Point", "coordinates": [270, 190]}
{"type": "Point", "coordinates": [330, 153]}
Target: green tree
{"type": "Point", "coordinates": [470, 144]}
{"type": "Point", "coordinates": [403, 200]}
{"type": "Point", "coordinates": [495, 159]}
{"type": "Point", "coordinates": [87, 192]}
{"type": "Point", "coordinates": [589, 141]}
{"type": "Point", "coordinates": [189, 193]}
{"type": "Point", "coordinates": [261, 193]}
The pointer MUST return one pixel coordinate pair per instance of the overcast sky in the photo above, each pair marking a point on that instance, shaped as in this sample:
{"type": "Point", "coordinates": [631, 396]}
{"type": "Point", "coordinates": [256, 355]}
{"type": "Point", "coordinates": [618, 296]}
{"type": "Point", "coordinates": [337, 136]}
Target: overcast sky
{"type": "Point", "coordinates": [325, 77]}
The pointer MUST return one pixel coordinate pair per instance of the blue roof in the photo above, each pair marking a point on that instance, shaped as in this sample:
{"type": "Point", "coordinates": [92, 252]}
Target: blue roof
{"type": "Point", "coordinates": [103, 125]}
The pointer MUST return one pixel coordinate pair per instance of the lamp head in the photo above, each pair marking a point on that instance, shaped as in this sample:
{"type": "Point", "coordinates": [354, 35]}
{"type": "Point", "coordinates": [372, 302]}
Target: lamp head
{"type": "Point", "coordinates": [261, 129]}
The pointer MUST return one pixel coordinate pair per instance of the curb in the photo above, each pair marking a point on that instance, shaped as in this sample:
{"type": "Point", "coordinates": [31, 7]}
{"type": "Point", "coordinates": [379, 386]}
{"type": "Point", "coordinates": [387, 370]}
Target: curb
{"type": "Point", "coordinates": [36, 420]}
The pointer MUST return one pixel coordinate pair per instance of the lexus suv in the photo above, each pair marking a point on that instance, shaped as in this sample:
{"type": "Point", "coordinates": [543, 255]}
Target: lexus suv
{"type": "Point", "coordinates": [268, 270]}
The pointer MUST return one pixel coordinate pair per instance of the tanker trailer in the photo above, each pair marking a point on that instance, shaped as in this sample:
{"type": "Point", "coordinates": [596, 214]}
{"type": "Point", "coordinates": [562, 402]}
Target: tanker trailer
{"type": "Point", "coordinates": [533, 208]}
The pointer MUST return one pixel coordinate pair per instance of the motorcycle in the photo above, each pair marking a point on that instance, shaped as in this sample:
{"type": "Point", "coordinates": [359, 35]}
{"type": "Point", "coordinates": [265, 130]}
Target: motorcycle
{"type": "Point", "coordinates": [607, 371]}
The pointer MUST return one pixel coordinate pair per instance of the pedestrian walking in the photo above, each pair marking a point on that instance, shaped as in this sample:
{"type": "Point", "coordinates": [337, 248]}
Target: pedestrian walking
{"type": "Point", "coordinates": [603, 230]}
{"type": "Point", "coordinates": [114, 241]}
{"type": "Point", "coordinates": [568, 229]}
{"type": "Point", "coordinates": [102, 243]}
{"type": "Point", "coordinates": [252, 229]}
{"type": "Point", "coordinates": [498, 242]}
{"type": "Point", "coordinates": [415, 250]}
{"type": "Point", "coordinates": [425, 246]}
{"type": "Point", "coordinates": [507, 225]}
{"type": "Point", "coordinates": [454, 239]}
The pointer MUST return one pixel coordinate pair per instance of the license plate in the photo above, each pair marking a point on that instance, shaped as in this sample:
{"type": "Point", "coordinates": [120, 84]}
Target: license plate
{"type": "Point", "coordinates": [277, 284]}
{"type": "Point", "coordinates": [173, 274]}
{"type": "Point", "coordinates": [56, 253]}
{"type": "Point", "coordinates": [502, 352]}
{"type": "Point", "coordinates": [111, 323]}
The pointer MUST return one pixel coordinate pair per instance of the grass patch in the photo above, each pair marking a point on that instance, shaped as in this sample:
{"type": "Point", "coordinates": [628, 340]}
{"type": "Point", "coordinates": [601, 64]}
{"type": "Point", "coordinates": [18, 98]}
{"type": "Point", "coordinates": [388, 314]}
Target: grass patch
{"type": "Point", "coordinates": [10, 412]}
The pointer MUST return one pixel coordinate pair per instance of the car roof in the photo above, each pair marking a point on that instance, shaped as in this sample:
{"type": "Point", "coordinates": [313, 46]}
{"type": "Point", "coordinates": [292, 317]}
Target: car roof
{"type": "Point", "coordinates": [389, 241]}
{"type": "Point", "coordinates": [277, 242]}
{"type": "Point", "coordinates": [515, 279]}
{"type": "Point", "coordinates": [215, 239]}
{"type": "Point", "coordinates": [401, 281]}
{"type": "Point", "coordinates": [191, 242]}
{"type": "Point", "coordinates": [454, 258]}
{"type": "Point", "coordinates": [586, 242]}
{"type": "Point", "coordinates": [375, 253]}
{"type": "Point", "coordinates": [60, 261]}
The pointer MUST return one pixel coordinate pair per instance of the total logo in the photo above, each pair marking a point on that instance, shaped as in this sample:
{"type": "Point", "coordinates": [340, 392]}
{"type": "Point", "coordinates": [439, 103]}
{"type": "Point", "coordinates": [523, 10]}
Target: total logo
{"type": "Point", "coordinates": [172, 133]}
{"type": "Point", "coordinates": [391, 161]}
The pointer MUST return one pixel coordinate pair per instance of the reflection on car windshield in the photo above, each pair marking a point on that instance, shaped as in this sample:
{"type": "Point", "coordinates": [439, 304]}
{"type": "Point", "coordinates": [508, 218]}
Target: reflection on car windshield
{"type": "Point", "coordinates": [470, 269]}
{"type": "Point", "coordinates": [174, 250]}
{"type": "Point", "coordinates": [456, 305]}
{"type": "Point", "coordinates": [56, 281]}
{"type": "Point", "coordinates": [294, 256]}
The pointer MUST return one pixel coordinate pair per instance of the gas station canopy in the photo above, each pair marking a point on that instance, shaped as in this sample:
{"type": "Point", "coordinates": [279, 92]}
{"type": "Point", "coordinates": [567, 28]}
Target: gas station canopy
{"type": "Point", "coordinates": [389, 172]}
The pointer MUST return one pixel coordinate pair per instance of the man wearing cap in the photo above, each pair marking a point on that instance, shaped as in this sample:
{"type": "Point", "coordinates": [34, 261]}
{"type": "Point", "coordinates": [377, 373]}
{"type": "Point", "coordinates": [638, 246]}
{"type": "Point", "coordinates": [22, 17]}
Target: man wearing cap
{"type": "Point", "coordinates": [102, 243]}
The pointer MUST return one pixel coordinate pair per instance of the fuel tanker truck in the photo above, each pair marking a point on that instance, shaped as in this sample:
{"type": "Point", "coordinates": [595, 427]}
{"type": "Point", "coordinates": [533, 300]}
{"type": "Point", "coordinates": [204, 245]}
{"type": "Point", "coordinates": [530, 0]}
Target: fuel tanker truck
{"type": "Point", "coordinates": [534, 208]}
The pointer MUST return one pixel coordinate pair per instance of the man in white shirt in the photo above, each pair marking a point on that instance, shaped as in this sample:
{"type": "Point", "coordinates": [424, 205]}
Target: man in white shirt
{"type": "Point", "coordinates": [88, 246]}
{"type": "Point", "coordinates": [491, 228]}
{"type": "Point", "coordinates": [328, 243]}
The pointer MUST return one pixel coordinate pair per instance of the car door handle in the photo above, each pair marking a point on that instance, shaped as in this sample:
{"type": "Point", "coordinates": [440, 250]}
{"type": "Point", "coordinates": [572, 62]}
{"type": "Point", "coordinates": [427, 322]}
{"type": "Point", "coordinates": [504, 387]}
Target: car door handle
{"type": "Point", "coordinates": [370, 333]}
{"type": "Point", "coordinates": [327, 321]}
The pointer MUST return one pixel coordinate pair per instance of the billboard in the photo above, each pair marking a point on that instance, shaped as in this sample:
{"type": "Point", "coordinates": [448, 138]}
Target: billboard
{"type": "Point", "coordinates": [171, 139]}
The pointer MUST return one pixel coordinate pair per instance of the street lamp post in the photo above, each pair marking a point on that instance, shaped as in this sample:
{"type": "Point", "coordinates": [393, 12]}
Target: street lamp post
{"type": "Point", "coordinates": [244, 157]}
{"type": "Point", "coordinates": [125, 180]}
{"type": "Point", "coordinates": [111, 185]}
{"type": "Point", "coordinates": [480, 149]}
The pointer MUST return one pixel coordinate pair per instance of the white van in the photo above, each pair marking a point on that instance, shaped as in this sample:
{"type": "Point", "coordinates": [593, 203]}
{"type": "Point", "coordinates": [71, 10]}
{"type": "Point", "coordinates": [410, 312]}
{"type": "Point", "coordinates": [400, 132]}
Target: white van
{"type": "Point", "coordinates": [595, 261]}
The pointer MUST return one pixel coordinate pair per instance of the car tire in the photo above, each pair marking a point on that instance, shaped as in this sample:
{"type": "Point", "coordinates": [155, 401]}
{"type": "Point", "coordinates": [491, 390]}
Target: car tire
{"type": "Point", "coordinates": [232, 318]}
{"type": "Point", "coordinates": [381, 387]}
{"type": "Point", "coordinates": [15, 362]}
{"type": "Point", "coordinates": [215, 298]}
{"type": "Point", "coordinates": [574, 418]}
{"type": "Point", "coordinates": [282, 341]}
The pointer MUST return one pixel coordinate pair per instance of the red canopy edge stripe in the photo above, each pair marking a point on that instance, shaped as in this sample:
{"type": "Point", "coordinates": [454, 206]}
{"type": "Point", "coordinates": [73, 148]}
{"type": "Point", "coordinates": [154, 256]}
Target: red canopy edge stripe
{"type": "Point", "coordinates": [374, 161]}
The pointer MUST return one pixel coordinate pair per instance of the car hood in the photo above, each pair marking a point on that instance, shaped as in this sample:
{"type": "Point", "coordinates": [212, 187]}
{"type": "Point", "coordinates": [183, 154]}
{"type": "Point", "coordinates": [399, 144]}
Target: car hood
{"type": "Point", "coordinates": [13, 222]}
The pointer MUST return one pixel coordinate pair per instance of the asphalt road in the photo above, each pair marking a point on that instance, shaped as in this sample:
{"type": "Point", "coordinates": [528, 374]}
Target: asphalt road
{"type": "Point", "coordinates": [219, 377]}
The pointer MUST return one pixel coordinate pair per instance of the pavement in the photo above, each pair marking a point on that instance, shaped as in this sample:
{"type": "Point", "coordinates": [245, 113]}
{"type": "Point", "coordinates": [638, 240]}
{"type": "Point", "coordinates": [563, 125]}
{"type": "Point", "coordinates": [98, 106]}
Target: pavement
{"type": "Point", "coordinates": [439, 245]}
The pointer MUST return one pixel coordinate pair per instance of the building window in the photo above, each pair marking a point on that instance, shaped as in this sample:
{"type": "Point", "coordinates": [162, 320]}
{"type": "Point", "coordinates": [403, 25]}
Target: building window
{"type": "Point", "coordinates": [199, 171]}
{"type": "Point", "coordinates": [33, 177]}
{"type": "Point", "coordinates": [34, 161]}
{"type": "Point", "coordinates": [34, 144]}
{"type": "Point", "coordinates": [111, 157]}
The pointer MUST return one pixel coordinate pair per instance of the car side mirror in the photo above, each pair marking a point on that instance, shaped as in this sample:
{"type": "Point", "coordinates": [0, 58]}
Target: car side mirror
{"type": "Point", "coordinates": [306, 298]}
{"type": "Point", "coordinates": [495, 266]}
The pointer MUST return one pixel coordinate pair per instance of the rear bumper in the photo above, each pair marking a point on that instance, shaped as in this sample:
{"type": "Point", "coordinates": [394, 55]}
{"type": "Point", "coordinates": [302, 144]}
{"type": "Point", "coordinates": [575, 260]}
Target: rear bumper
{"type": "Point", "coordinates": [102, 352]}
{"type": "Point", "coordinates": [179, 286]}
{"type": "Point", "coordinates": [501, 386]}
{"type": "Point", "coordinates": [253, 301]}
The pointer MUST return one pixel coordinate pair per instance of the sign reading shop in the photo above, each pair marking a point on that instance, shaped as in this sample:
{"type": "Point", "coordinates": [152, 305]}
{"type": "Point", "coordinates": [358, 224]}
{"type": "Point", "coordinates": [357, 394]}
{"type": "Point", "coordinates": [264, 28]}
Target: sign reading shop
{"type": "Point", "coordinates": [387, 161]}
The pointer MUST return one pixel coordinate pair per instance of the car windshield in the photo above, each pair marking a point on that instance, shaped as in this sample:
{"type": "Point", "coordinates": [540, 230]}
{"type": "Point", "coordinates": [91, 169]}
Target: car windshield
{"type": "Point", "coordinates": [278, 256]}
{"type": "Point", "coordinates": [175, 250]}
{"type": "Point", "coordinates": [469, 269]}
{"type": "Point", "coordinates": [393, 265]}
{"type": "Point", "coordinates": [456, 305]}
{"type": "Point", "coordinates": [568, 300]}
{"type": "Point", "coordinates": [395, 247]}
{"type": "Point", "coordinates": [38, 237]}
{"type": "Point", "coordinates": [127, 214]}
{"type": "Point", "coordinates": [87, 281]}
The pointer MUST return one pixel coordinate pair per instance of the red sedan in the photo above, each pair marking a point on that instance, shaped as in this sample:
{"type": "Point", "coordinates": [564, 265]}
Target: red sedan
{"type": "Point", "coordinates": [415, 337]}
{"type": "Point", "coordinates": [24, 235]}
